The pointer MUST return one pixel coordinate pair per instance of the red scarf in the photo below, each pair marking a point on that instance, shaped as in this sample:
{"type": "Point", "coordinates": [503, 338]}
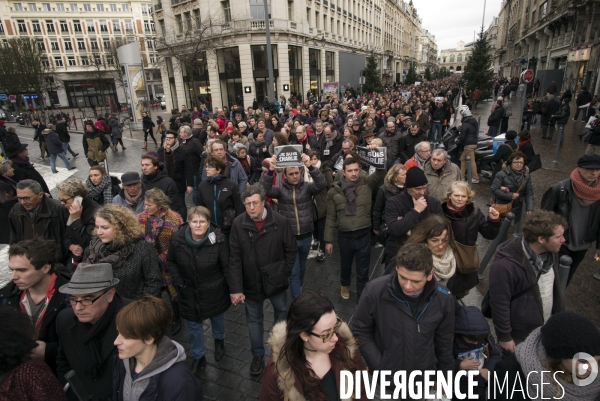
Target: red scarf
{"type": "Point", "coordinates": [521, 143]}
{"type": "Point", "coordinates": [25, 308]}
{"type": "Point", "coordinates": [585, 194]}
{"type": "Point", "coordinates": [453, 209]}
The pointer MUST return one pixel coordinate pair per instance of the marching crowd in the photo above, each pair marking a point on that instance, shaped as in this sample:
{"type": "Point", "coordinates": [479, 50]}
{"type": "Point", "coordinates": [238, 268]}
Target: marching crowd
{"type": "Point", "coordinates": [92, 269]}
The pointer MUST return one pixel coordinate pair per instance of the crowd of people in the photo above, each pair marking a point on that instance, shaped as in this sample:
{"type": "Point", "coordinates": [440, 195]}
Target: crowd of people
{"type": "Point", "coordinates": [103, 273]}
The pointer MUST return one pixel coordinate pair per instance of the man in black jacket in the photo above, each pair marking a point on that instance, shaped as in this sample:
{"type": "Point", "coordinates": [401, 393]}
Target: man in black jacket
{"type": "Point", "coordinates": [36, 215]}
{"type": "Point", "coordinates": [438, 115]}
{"type": "Point", "coordinates": [178, 166]}
{"type": "Point", "coordinates": [391, 140]}
{"type": "Point", "coordinates": [561, 118]}
{"type": "Point", "coordinates": [406, 145]}
{"type": "Point", "coordinates": [548, 110]}
{"type": "Point", "coordinates": [36, 278]}
{"type": "Point", "coordinates": [584, 97]}
{"type": "Point", "coordinates": [87, 330]}
{"type": "Point", "coordinates": [156, 177]}
{"type": "Point", "coordinates": [405, 307]}
{"type": "Point", "coordinates": [579, 205]}
{"type": "Point", "coordinates": [525, 287]}
{"type": "Point", "coordinates": [468, 138]}
{"type": "Point", "coordinates": [260, 240]}
{"type": "Point", "coordinates": [63, 135]}
{"type": "Point", "coordinates": [24, 170]}
{"type": "Point", "coordinates": [38, 137]}
{"type": "Point", "coordinates": [195, 149]}
{"type": "Point", "coordinates": [329, 143]}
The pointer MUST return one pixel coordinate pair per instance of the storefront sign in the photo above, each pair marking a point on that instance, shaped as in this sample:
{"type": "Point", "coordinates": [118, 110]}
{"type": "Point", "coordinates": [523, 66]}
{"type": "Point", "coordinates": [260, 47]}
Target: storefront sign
{"type": "Point", "coordinates": [289, 156]}
{"type": "Point", "coordinates": [330, 89]}
{"type": "Point", "coordinates": [376, 157]}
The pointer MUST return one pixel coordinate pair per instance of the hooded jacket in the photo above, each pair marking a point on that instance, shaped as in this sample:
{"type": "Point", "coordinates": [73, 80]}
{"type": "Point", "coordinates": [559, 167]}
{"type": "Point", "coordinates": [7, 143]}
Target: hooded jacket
{"type": "Point", "coordinates": [392, 338]}
{"type": "Point", "coordinates": [115, 128]}
{"type": "Point", "coordinates": [469, 132]}
{"type": "Point", "coordinates": [165, 378]}
{"type": "Point", "coordinates": [511, 272]}
{"type": "Point", "coordinates": [296, 201]}
{"type": "Point", "coordinates": [166, 184]}
{"type": "Point", "coordinates": [438, 184]}
{"type": "Point", "coordinates": [279, 381]}
{"type": "Point", "coordinates": [95, 145]}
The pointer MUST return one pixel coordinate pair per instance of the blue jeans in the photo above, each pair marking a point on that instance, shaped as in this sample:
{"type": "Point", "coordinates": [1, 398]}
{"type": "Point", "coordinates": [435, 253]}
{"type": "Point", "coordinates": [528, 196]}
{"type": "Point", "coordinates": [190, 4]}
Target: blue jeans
{"type": "Point", "coordinates": [493, 130]}
{"type": "Point", "coordinates": [196, 334]}
{"type": "Point", "coordinates": [255, 320]}
{"type": "Point", "coordinates": [561, 133]}
{"type": "Point", "coordinates": [355, 244]}
{"type": "Point", "coordinates": [67, 147]}
{"type": "Point", "coordinates": [583, 118]}
{"type": "Point", "coordinates": [436, 132]}
{"type": "Point", "coordinates": [297, 277]}
{"type": "Point", "coordinates": [63, 157]}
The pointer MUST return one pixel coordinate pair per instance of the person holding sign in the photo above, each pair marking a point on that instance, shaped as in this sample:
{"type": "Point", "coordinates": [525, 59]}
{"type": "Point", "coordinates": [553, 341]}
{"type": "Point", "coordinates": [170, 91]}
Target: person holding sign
{"type": "Point", "coordinates": [349, 211]}
{"type": "Point", "coordinates": [295, 198]}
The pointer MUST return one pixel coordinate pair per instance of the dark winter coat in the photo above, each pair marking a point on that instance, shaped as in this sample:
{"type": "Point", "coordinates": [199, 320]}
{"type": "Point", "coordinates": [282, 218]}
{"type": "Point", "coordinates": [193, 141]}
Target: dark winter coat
{"type": "Point", "coordinates": [8, 198]}
{"type": "Point", "coordinates": [95, 145]}
{"type": "Point", "coordinates": [584, 97]}
{"type": "Point", "coordinates": [120, 200]}
{"type": "Point", "coordinates": [233, 171]}
{"type": "Point", "coordinates": [559, 199]}
{"type": "Point", "coordinates": [50, 223]}
{"type": "Point", "coordinates": [496, 116]}
{"type": "Point", "coordinates": [80, 231]}
{"type": "Point", "coordinates": [115, 128]}
{"type": "Point", "coordinates": [11, 295]}
{"type": "Point", "coordinates": [178, 166]}
{"type": "Point", "coordinates": [258, 150]}
{"type": "Point", "coordinates": [320, 199]}
{"type": "Point", "coordinates": [162, 181]}
{"type": "Point", "coordinates": [548, 110]}
{"type": "Point", "coordinates": [200, 275]}
{"type": "Point", "coordinates": [251, 249]}
{"type": "Point", "coordinates": [392, 143]}
{"type": "Point", "coordinates": [38, 133]}
{"type": "Point", "coordinates": [403, 206]}
{"type": "Point", "coordinates": [469, 132]}
{"type": "Point", "coordinates": [53, 143]}
{"type": "Point", "coordinates": [384, 193]}
{"type": "Point", "coordinates": [194, 153]}
{"type": "Point", "coordinates": [511, 272]}
{"type": "Point", "coordinates": [505, 178]}
{"type": "Point", "coordinates": [219, 195]}
{"type": "Point", "coordinates": [466, 227]}
{"type": "Point", "coordinates": [63, 132]}
{"type": "Point", "coordinates": [26, 171]}
{"type": "Point", "coordinates": [335, 147]}
{"type": "Point", "coordinates": [296, 201]}
{"type": "Point", "coordinates": [406, 146]}
{"type": "Point", "coordinates": [147, 124]}
{"type": "Point", "coordinates": [562, 116]}
{"type": "Point", "coordinates": [527, 149]}
{"type": "Point", "coordinates": [384, 325]}
{"type": "Point", "coordinates": [501, 156]}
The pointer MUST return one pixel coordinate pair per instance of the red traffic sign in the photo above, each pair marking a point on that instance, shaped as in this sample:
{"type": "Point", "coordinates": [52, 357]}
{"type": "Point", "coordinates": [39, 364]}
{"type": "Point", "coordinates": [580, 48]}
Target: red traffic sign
{"type": "Point", "coordinates": [12, 98]}
{"type": "Point", "coordinates": [528, 76]}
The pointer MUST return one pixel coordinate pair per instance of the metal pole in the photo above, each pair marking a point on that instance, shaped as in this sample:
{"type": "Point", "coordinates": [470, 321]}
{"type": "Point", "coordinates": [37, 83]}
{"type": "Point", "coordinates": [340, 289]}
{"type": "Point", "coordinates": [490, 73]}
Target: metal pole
{"type": "Point", "coordinates": [483, 19]}
{"type": "Point", "coordinates": [469, 172]}
{"type": "Point", "coordinates": [269, 55]}
{"type": "Point", "coordinates": [492, 248]}
{"type": "Point", "coordinates": [564, 266]}
{"type": "Point", "coordinates": [521, 105]}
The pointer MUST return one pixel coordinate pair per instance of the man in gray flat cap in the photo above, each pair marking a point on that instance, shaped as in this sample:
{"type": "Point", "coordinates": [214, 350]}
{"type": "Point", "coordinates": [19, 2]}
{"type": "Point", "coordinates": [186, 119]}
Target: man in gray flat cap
{"type": "Point", "coordinates": [86, 332]}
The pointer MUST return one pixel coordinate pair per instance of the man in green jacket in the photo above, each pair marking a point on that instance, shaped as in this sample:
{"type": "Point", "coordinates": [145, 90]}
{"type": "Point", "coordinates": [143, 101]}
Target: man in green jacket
{"type": "Point", "coordinates": [349, 211]}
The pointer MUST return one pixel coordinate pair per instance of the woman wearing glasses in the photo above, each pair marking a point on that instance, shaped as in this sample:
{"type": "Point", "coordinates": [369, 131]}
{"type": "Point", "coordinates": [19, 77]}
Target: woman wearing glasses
{"type": "Point", "coordinates": [197, 259]}
{"type": "Point", "coordinates": [513, 185]}
{"type": "Point", "coordinates": [73, 195]}
{"type": "Point", "coordinates": [308, 351]}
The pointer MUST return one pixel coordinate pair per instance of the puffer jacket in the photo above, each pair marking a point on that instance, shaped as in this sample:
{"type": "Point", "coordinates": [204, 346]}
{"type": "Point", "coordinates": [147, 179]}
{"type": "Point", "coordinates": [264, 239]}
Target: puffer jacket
{"type": "Point", "coordinates": [438, 184]}
{"type": "Point", "coordinates": [506, 178]}
{"type": "Point", "coordinates": [53, 143]}
{"type": "Point", "coordinates": [469, 132]}
{"type": "Point", "coordinates": [95, 145]}
{"type": "Point", "coordinates": [296, 201]}
{"type": "Point", "coordinates": [391, 142]}
{"type": "Point", "coordinates": [511, 273]}
{"type": "Point", "coordinates": [279, 381]}
{"type": "Point", "coordinates": [219, 194]}
{"type": "Point", "coordinates": [385, 192]}
{"type": "Point", "coordinates": [384, 324]}
{"type": "Point", "coordinates": [249, 249]}
{"type": "Point", "coordinates": [115, 128]}
{"type": "Point", "coordinates": [562, 116]}
{"type": "Point", "coordinates": [200, 275]}
{"type": "Point", "coordinates": [336, 206]}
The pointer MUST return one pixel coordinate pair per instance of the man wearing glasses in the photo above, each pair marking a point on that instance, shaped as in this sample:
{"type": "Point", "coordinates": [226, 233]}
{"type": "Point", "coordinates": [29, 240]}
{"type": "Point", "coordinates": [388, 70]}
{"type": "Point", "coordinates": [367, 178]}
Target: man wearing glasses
{"type": "Point", "coordinates": [33, 289]}
{"type": "Point", "coordinates": [262, 254]}
{"type": "Point", "coordinates": [87, 330]}
{"type": "Point", "coordinates": [37, 215]}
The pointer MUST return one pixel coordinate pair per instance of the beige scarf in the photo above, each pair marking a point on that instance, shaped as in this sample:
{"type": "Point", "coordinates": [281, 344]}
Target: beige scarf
{"type": "Point", "coordinates": [444, 267]}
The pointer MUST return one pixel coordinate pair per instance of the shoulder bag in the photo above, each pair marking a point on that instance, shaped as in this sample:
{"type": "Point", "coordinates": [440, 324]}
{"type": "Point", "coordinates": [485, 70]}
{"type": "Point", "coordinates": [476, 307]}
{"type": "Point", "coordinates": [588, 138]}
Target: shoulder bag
{"type": "Point", "coordinates": [467, 258]}
{"type": "Point", "coordinates": [505, 208]}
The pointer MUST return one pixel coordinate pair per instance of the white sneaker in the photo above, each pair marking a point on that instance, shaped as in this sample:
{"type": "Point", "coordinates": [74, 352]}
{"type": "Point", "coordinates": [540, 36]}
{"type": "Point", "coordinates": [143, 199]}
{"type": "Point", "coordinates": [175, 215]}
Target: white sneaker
{"type": "Point", "coordinates": [312, 254]}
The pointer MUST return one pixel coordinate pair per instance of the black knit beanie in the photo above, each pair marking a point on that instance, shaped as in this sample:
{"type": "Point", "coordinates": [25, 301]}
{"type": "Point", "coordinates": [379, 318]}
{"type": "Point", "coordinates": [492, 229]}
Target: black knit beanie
{"type": "Point", "coordinates": [567, 333]}
{"type": "Point", "coordinates": [415, 177]}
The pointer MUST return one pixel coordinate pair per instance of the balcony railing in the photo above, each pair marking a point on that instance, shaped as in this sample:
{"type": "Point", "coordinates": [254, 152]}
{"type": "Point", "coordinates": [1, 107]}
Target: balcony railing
{"type": "Point", "coordinates": [158, 7]}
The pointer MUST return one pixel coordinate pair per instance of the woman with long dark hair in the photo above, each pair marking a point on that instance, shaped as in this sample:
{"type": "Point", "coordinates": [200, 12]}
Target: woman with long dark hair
{"type": "Point", "coordinates": [308, 352]}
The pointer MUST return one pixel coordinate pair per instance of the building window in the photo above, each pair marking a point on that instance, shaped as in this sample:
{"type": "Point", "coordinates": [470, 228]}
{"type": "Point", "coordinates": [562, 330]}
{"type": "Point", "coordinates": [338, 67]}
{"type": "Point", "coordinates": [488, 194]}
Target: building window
{"type": "Point", "coordinates": [314, 62]}
{"type": "Point", "coordinates": [90, 25]}
{"type": "Point", "coordinates": [1, 29]}
{"type": "Point", "coordinates": [179, 22]}
{"type": "Point", "coordinates": [257, 9]}
{"type": "Point", "coordinates": [106, 43]}
{"type": "Point", "coordinates": [41, 46]}
{"type": "Point", "coordinates": [74, 7]}
{"type": "Point", "coordinates": [308, 15]}
{"type": "Point", "coordinates": [99, 7]}
{"type": "Point", "coordinates": [58, 61]}
{"type": "Point", "coordinates": [35, 26]}
{"type": "Point", "coordinates": [103, 26]}
{"type": "Point", "coordinates": [149, 44]}
{"type": "Point", "coordinates": [50, 26]}
{"type": "Point", "coordinates": [290, 10]}
{"type": "Point", "coordinates": [188, 20]}
{"type": "Point", "coordinates": [543, 9]}
{"type": "Point", "coordinates": [317, 20]}
{"type": "Point", "coordinates": [126, 8]}
{"type": "Point", "coordinates": [64, 27]}
{"type": "Point", "coordinates": [146, 26]}
{"type": "Point", "coordinates": [71, 60]}
{"type": "Point", "coordinates": [60, 7]}
{"type": "Point", "coordinates": [76, 26]}
{"type": "Point", "coordinates": [94, 44]}
{"type": "Point", "coordinates": [85, 61]}
{"type": "Point", "coordinates": [46, 7]}
{"type": "Point", "coordinates": [128, 26]}
{"type": "Point", "coordinates": [31, 7]}
{"type": "Point", "coordinates": [81, 44]}
{"type": "Point", "coordinates": [330, 66]}
{"type": "Point", "coordinates": [18, 7]}
{"type": "Point", "coordinates": [163, 30]}
{"type": "Point", "coordinates": [152, 59]}
{"type": "Point", "coordinates": [459, 58]}
{"type": "Point", "coordinates": [116, 26]}
{"type": "Point", "coordinates": [452, 58]}
{"type": "Point", "coordinates": [226, 10]}
{"type": "Point", "coordinates": [196, 19]}
{"type": "Point", "coordinates": [22, 26]}
{"type": "Point", "coordinates": [87, 7]}
{"type": "Point", "coordinates": [144, 9]}
{"type": "Point", "coordinates": [113, 8]}
{"type": "Point", "coordinates": [45, 63]}
{"type": "Point", "coordinates": [54, 46]}
{"type": "Point", "coordinates": [110, 60]}
{"type": "Point", "coordinates": [68, 45]}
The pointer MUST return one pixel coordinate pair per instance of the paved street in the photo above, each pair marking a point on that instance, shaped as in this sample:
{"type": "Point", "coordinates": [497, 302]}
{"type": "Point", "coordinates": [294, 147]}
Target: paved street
{"type": "Point", "coordinates": [230, 379]}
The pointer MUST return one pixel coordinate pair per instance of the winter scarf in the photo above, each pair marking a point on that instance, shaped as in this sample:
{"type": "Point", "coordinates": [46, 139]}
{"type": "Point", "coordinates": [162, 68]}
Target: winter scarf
{"type": "Point", "coordinates": [105, 187]}
{"type": "Point", "coordinates": [132, 200]}
{"type": "Point", "coordinates": [349, 189]}
{"type": "Point", "coordinates": [419, 160]}
{"type": "Point", "coordinates": [444, 266]}
{"type": "Point", "coordinates": [21, 160]}
{"type": "Point", "coordinates": [585, 194]}
{"type": "Point", "coordinates": [329, 141]}
{"type": "Point", "coordinates": [521, 143]}
{"type": "Point", "coordinates": [110, 253]}
{"type": "Point", "coordinates": [531, 355]}
{"type": "Point", "coordinates": [158, 231]}
{"type": "Point", "coordinates": [195, 245]}
{"type": "Point", "coordinates": [307, 176]}
{"type": "Point", "coordinates": [26, 308]}
{"type": "Point", "coordinates": [542, 262]}
{"type": "Point", "coordinates": [174, 146]}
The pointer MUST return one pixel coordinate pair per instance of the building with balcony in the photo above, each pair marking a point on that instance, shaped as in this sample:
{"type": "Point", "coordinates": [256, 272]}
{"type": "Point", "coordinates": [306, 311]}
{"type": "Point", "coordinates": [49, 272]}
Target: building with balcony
{"type": "Point", "coordinates": [219, 57]}
{"type": "Point", "coordinates": [455, 60]}
{"type": "Point", "coordinates": [428, 52]}
{"type": "Point", "coordinates": [76, 38]}
{"type": "Point", "coordinates": [492, 36]}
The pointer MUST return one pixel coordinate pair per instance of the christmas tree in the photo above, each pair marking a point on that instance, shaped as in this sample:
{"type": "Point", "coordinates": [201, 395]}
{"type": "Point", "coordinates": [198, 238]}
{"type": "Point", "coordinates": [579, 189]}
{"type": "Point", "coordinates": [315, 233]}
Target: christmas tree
{"type": "Point", "coordinates": [478, 72]}
{"type": "Point", "coordinates": [372, 76]}
{"type": "Point", "coordinates": [411, 77]}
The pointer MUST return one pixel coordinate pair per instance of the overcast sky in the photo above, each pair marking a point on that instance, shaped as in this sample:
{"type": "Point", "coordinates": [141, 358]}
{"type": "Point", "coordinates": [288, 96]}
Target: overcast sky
{"type": "Point", "coordinates": [454, 20]}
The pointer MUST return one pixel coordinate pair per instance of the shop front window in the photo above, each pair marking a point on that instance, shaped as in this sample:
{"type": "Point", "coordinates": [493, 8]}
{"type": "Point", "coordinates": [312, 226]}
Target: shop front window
{"type": "Point", "coordinates": [314, 61]}
{"type": "Point", "coordinates": [261, 71]}
{"type": "Point", "coordinates": [87, 93]}
{"type": "Point", "coordinates": [295, 61]}
{"type": "Point", "coordinates": [230, 75]}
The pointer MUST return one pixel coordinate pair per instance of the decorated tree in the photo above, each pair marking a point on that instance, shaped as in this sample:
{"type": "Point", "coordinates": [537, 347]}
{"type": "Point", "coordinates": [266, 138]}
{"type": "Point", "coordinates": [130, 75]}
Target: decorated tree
{"type": "Point", "coordinates": [372, 76]}
{"type": "Point", "coordinates": [478, 72]}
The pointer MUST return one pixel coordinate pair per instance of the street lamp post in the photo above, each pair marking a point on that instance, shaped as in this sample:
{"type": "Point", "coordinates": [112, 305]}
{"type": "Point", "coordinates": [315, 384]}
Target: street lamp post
{"type": "Point", "coordinates": [269, 51]}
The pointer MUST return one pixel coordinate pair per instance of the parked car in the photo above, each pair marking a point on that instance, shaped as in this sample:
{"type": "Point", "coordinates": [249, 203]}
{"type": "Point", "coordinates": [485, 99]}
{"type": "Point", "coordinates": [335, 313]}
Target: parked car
{"type": "Point", "coordinates": [2, 114]}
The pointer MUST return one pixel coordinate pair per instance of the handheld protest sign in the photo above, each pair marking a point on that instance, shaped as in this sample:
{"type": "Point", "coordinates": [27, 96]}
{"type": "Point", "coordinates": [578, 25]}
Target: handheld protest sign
{"type": "Point", "coordinates": [289, 156]}
{"type": "Point", "coordinates": [376, 157]}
